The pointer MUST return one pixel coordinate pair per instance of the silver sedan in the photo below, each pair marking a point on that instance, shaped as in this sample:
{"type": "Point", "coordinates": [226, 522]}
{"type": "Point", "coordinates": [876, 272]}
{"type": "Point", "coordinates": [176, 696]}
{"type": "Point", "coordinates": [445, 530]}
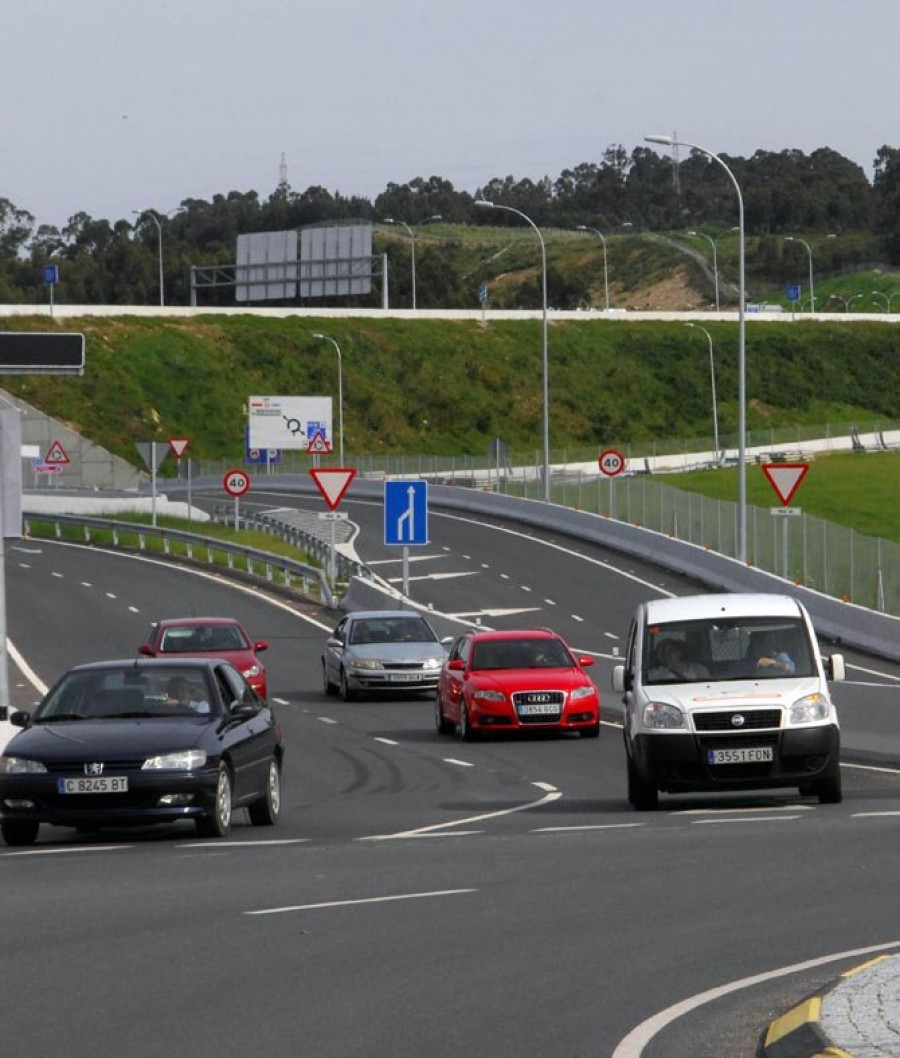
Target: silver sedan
{"type": "Point", "coordinates": [382, 650]}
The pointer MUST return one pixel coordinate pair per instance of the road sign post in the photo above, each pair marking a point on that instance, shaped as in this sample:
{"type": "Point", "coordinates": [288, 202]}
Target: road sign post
{"type": "Point", "coordinates": [785, 479]}
{"type": "Point", "coordinates": [611, 464]}
{"type": "Point", "coordinates": [332, 482]}
{"type": "Point", "coordinates": [236, 483]}
{"type": "Point", "coordinates": [406, 518]}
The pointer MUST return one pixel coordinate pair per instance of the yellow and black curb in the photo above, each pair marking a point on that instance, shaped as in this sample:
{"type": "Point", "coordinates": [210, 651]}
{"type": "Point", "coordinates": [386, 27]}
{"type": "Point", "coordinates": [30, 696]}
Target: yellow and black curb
{"type": "Point", "coordinates": [799, 1032]}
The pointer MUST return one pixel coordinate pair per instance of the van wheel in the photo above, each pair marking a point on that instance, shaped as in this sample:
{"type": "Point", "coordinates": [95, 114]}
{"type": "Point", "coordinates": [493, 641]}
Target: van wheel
{"type": "Point", "coordinates": [643, 795]}
{"type": "Point", "coordinates": [829, 789]}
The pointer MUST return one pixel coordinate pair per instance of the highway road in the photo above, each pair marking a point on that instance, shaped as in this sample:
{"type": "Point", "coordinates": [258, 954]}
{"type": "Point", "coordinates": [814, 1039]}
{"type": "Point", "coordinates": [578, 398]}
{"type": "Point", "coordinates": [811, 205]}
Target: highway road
{"type": "Point", "coordinates": [421, 895]}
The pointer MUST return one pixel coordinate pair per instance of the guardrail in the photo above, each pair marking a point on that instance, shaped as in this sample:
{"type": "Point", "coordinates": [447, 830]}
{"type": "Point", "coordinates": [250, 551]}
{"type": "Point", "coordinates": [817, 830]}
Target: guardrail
{"type": "Point", "coordinates": [259, 565]}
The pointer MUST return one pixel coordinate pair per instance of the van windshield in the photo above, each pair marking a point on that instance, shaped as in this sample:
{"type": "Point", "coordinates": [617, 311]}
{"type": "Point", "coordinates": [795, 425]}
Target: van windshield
{"type": "Point", "coordinates": [757, 648]}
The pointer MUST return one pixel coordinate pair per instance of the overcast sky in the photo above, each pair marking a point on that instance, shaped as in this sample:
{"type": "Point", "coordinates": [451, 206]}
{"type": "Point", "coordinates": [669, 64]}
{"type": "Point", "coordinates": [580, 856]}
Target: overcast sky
{"type": "Point", "coordinates": [109, 106]}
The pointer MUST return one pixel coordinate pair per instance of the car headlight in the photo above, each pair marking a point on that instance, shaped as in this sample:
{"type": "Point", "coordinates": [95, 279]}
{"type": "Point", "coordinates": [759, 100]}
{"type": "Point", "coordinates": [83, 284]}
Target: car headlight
{"type": "Point", "coordinates": [812, 707]}
{"type": "Point", "coordinates": [662, 715]}
{"type": "Point", "coordinates": [254, 670]}
{"type": "Point", "coordinates": [432, 663]}
{"type": "Point", "coordinates": [184, 760]}
{"type": "Point", "coordinates": [490, 696]}
{"type": "Point", "coordinates": [581, 692]}
{"type": "Point", "coordinates": [367, 663]}
{"type": "Point", "coordinates": [20, 766]}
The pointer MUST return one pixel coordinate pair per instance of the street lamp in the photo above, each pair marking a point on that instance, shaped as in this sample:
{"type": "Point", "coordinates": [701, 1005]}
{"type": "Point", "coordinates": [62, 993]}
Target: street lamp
{"type": "Point", "coordinates": [546, 385]}
{"type": "Point", "coordinates": [602, 238]}
{"type": "Point", "coordinates": [812, 292]}
{"type": "Point", "coordinates": [337, 349]}
{"type": "Point", "coordinates": [712, 377]}
{"type": "Point", "coordinates": [412, 243]}
{"type": "Point", "coordinates": [155, 218]}
{"type": "Point", "coordinates": [714, 243]}
{"type": "Point", "coordinates": [888, 298]}
{"type": "Point", "coordinates": [671, 141]}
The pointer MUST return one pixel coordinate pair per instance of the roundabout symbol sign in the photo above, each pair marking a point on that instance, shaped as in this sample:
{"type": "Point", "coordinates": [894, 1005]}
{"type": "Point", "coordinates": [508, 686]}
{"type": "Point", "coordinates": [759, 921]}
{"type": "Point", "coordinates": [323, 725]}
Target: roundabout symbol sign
{"type": "Point", "coordinates": [611, 462]}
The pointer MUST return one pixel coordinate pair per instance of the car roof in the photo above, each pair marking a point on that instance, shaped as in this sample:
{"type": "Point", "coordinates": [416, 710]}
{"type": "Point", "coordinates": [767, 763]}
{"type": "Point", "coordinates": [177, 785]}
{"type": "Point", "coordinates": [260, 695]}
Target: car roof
{"type": "Point", "coordinates": [142, 663]}
{"type": "Point", "coordinates": [723, 604]}
{"type": "Point", "coordinates": [167, 622]}
{"type": "Point", "coordinates": [514, 633]}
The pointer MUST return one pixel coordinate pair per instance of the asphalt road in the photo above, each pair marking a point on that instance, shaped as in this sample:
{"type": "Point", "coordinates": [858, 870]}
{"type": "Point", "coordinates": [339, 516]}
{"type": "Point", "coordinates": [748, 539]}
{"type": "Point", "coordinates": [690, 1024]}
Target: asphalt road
{"type": "Point", "coordinates": [421, 895]}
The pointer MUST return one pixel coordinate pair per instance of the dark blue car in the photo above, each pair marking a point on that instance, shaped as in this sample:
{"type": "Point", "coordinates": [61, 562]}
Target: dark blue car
{"type": "Point", "coordinates": [125, 743]}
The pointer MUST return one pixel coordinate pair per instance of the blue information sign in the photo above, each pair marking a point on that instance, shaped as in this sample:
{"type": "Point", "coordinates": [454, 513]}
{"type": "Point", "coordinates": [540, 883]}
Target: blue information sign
{"type": "Point", "coordinates": [51, 274]}
{"type": "Point", "coordinates": [793, 292]}
{"type": "Point", "coordinates": [406, 512]}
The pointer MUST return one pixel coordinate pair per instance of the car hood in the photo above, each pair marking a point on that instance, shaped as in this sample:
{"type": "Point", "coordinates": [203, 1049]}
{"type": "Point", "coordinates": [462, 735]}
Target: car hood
{"type": "Point", "coordinates": [103, 739]}
{"type": "Point", "coordinates": [743, 694]}
{"type": "Point", "coordinates": [397, 652]}
{"type": "Point", "coordinates": [509, 680]}
{"type": "Point", "coordinates": [241, 659]}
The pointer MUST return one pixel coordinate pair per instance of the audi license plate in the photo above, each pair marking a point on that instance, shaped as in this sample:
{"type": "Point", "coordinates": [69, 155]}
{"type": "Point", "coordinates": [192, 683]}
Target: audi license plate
{"type": "Point", "coordinates": [90, 784]}
{"type": "Point", "coordinates": [745, 755]}
{"type": "Point", "coordinates": [403, 677]}
{"type": "Point", "coordinates": [541, 709]}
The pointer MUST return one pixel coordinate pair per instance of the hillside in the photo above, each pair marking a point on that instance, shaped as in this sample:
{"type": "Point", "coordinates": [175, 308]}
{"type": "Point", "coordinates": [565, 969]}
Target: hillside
{"type": "Point", "coordinates": [449, 388]}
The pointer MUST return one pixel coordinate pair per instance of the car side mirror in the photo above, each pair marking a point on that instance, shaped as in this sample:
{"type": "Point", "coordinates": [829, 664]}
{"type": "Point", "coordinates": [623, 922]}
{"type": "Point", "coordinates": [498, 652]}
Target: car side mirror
{"type": "Point", "coordinates": [260, 646]}
{"type": "Point", "coordinates": [241, 710]}
{"type": "Point", "coordinates": [457, 665]}
{"type": "Point", "coordinates": [19, 718]}
{"type": "Point", "coordinates": [585, 663]}
{"type": "Point", "coordinates": [146, 650]}
{"type": "Point", "coordinates": [446, 641]}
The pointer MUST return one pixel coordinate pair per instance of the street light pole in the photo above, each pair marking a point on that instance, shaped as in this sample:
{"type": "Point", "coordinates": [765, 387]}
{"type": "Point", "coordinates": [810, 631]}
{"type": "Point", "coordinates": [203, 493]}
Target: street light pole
{"type": "Point", "coordinates": [670, 141]}
{"type": "Point", "coordinates": [712, 243]}
{"type": "Point", "coordinates": [712, 377]}
{"type": "Point", "coordinates": [812, 292]}
{"type": "Point", "coordinates": [546, 359]}
{"type": "Point", "coordinates": [412, 243]}
{"type": "Point", "coordinates": [337, 349]}
{"type": "Point", "coordinates": [153, 216]}
{"type": "Point", "coordinates": [602, 238]}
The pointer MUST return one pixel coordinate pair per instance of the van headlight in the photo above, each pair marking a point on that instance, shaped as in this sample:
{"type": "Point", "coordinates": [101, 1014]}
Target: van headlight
{"type": "Point", "coordinates": [809, 709]}
{"type": "Point", "coordinates": [662, 715]}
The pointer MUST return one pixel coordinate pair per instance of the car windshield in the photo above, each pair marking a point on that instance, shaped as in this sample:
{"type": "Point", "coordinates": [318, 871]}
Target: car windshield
{"type": "Point", "coordinates": [521, 654]}
{"type": "Point", "coordinates": [197, 639]}
{"type": "Point", "coordinates": [391, 630]}
{"type": "Point", "coordinates": [127, 693]}
{"type": "Point", "coordinates": [737, 648]}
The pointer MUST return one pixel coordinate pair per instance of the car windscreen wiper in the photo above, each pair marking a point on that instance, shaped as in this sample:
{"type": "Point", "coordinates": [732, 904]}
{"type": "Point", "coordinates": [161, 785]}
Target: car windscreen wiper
{"type": "Point", "coordinates": [54, 717]}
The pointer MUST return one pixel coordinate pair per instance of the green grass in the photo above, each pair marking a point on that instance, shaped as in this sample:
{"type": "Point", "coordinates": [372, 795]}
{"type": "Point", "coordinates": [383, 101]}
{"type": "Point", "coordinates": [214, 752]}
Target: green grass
{"type": "Point", "coordinates": [861, 490]}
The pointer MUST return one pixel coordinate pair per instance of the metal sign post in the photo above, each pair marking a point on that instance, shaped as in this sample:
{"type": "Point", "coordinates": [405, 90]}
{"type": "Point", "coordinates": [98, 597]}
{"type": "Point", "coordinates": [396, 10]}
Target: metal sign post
{"type": "Point", "coordinates": [406, 519]}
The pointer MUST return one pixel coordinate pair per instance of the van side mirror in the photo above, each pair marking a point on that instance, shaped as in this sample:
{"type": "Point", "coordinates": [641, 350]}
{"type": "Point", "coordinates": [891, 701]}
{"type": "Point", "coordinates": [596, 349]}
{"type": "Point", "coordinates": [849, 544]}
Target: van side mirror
{"type": "Point", "coordinates": [835, 670]}
{"type": "Point", "coordinates": [618, 679]}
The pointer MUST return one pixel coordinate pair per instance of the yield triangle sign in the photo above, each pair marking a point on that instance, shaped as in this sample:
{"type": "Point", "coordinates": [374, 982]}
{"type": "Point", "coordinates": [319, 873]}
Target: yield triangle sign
{"type": "Point", "coordinates": [785, 478]}
{"type": "Point", "coordinates": [56, 454]}
{"type": "Point", "coordinates": [333, 482]}
{"type": "Point", "coordinates": [318, 443]}
{"type": "Point", "coordinates": [178, 445]}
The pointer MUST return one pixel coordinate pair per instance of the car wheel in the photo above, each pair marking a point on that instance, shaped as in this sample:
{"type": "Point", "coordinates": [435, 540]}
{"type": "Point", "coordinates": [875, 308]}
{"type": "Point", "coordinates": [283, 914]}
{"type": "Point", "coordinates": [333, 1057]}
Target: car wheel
{"type": "Point", "coordinates": [642, 794]}
{"type": "Point", "coordinates": [218, 823]}
{"type": "Point", "coordinates": [829, 789]}
{"type": "Point", "coordinates": [19, 831]}
{"type": "Point", "coordinates": [466, 732]}
{"type": "Point", "coordinates": [443, 725]}
{"type": "Point", "coordinates": [347, 693]}
{"type": "Point", "coordinates": [265, 811]}
{"type": "Point", "coordinates": [591, 732]}
{"type": "Point", "coordinates": [327, 686]}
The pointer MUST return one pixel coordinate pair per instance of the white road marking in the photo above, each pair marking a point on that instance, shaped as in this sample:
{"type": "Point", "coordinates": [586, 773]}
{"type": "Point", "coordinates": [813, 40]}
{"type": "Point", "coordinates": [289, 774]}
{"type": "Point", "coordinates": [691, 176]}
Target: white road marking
{"type": "Point", "coordinates": [281, 701]}
{"type": "Point", "coordinates": [549, 602]}
{"type": "Point", "coordinates": [461, 763]}
{"type": "Point", "coordinates": [134, 609]}
{"type": "Point", "coordinates": [111, 595]}
{"type": "Point", "coordinates": [68, 849]}
{"type": "Point", "coordinates": [386, 741]}
{"type": "Point", "coordinates": [437, 576]}
{"type": "Point", "coordinates": [25, 565]}
{"type": "Point", "coordinates": [598, 826]}
{"type": "Point", "coordinates": [412, 558]}
{"type": "Point", "coordinates": [575, 617]}
{"type": "Point", "coordinates": [723, 809]}
{"type": "Point", "coordinates": [549, 787]}
{"type": "Point", "coordinates": [326, 720]}
{"type": "Point", "coordinates": [524, 587]}
{"type": "Point", "coordinates": [870, 815]}
{"type": "Point", "coordinates": [213, 846]}
{"type": "Point", "coordinates": [26, 669]}
{"type": "Point", "coordinates": [357, 903]}
{"type": "Point", "coordinates": [86, 584]}
{"type": "Point", "coordinates": [58, 575]}
{"type": "Point", "coordinates": [745, 819]}
{"type": "Point", "coordinates": [496, 613]}
{"type": "Point", "coordinates": [633, 1044]}
{"type": "Point", "coordinates": [504, 576]}
{"type": "Point", "coordinates": [611, 635]}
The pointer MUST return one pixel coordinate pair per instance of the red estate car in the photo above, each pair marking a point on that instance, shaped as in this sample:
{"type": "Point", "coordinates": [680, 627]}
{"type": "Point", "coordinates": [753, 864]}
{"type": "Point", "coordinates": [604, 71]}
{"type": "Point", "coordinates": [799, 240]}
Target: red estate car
{"type": "Point", "coordinates": [515, 681]}
{"type": "Point", "coordinates": [217, 637]}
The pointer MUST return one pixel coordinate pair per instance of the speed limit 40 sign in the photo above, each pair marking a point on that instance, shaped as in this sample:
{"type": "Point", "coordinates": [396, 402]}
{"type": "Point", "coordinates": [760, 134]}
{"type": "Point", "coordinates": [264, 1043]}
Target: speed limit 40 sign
{"type": "Point", "coordinates": [611, 462]}
{"type": "Point", "coordinates": [236, 482]}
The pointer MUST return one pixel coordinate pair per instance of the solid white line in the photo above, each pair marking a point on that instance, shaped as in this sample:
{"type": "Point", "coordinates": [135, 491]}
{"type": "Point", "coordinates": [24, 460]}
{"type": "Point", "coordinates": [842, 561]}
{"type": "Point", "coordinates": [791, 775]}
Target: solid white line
{"type": "Point", "coordinates": [725, 810]}
{"type": "Point", "coordinates": [545, 786]}
{"type": "Point", "coordinates": [281, 701]}
{"type": "Point", "coordinates": [633, 1044]}
{"type": "Point", "coordinates": [355, 903]}
{"type": "Point", "coordinates": [461, 763]}
{"type": "Point", "coordinates": [386, 741]}
{"type": "Point", "coordinates": [68, 849]}
{"type": "Point", "coordinates": [598, 826]}
{"type": "Point", "coordinates": [885, 769]}
{"type": "Point", "coordinates": [213, 845]}
{"type": "Point", "coordinates": [438, 576]}
{"type": "Point", "coordinates": [26, 669]}
{"type": "Point", "coordinates": [869, 815]}
{"type": "Point", "coordinates": [744, 819]}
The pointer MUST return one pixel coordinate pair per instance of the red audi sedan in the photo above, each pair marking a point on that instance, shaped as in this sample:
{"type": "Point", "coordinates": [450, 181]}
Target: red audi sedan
{"type": "Point", "coordinates": [525, 680]}
{"type": "Point", "coordinates": [217, 637]}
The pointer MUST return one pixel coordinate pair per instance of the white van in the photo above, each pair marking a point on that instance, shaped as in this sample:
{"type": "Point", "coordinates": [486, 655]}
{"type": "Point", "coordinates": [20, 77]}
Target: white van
{"type": "Point", "coordinates": [728, 692]}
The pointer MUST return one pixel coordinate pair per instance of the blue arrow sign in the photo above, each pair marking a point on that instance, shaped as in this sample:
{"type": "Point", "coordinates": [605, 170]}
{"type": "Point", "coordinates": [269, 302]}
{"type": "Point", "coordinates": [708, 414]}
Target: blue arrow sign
{"type": "Point", "coordinates": [406, 513]}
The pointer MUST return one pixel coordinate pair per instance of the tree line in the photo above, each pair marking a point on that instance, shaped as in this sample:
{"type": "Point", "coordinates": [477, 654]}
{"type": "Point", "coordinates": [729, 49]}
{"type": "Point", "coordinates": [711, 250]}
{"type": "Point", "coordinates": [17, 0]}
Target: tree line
{"type": "Point", "coordinates": [785, 192]}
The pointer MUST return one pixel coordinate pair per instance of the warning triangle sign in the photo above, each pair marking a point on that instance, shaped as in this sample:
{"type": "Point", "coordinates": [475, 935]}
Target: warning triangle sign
{"type": "Point", "coordinates": [318, 443]}
{"type": "Point", "coordinates": [785, 478]}
{"type": "Point", "coordinates": [333, 482]}
{"type": "Point", "coordinates": [56, 454]}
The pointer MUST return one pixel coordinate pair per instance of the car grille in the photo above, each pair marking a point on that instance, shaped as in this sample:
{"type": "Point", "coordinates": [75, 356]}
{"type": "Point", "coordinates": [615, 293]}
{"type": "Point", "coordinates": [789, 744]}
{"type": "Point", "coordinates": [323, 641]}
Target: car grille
{"type": "Point", "coordinates": [754, 720]}
{"type": "Point", "coordinates": [405, 666]}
